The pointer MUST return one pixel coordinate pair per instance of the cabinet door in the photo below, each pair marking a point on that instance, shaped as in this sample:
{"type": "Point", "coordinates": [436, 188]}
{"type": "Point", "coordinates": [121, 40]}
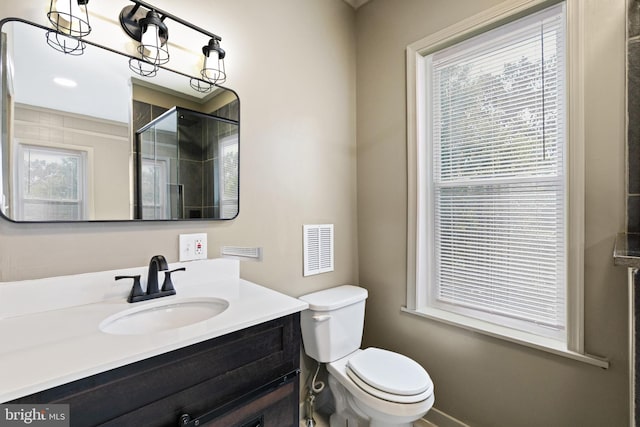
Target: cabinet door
{"type": "Point", "coordinates": [276, 409]}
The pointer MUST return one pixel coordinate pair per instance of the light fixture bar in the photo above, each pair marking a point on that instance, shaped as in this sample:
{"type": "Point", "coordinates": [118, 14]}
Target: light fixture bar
{"type": "Point", "coordinates": [164, 15]}
{"type": "Point", "coordinates": [101, 46]}
{"type": "Point", "coordinates": [145, 24]}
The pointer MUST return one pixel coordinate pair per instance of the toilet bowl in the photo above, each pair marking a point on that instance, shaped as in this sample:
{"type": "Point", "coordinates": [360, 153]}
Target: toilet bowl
{"type": "Point", "coordinates": [375, 402]}
{"type": "Point", "coordinates": [371, 387]}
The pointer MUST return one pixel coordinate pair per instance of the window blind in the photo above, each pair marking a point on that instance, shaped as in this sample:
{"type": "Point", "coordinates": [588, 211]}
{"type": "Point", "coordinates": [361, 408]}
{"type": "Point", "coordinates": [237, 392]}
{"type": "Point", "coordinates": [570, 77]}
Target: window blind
{"type": "Point", "coordinates": [498, 174]}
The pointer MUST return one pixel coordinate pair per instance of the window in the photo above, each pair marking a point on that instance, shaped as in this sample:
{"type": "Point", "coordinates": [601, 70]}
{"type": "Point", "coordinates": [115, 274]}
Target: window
{"type": "Point", "coordinates": [497, 175]}
{"type": "Point", "coordinates": [153, 188]}
{"type": "Point", "coordinates": [229, 176]}
{"type": "Point", "coordinates": [492, 179]}
{"type": "Point", "coordinates": [52, 184]}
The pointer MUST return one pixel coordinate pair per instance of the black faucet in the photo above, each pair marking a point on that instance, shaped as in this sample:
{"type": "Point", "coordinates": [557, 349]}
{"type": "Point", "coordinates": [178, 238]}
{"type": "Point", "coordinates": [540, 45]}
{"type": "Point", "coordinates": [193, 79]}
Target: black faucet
{"type": "Point", "coordinates": [156, 264]}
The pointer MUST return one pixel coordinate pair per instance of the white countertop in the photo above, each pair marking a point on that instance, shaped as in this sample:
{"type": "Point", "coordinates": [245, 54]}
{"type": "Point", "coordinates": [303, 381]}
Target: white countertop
{"type": "Point", "coordinates": [54, 344]}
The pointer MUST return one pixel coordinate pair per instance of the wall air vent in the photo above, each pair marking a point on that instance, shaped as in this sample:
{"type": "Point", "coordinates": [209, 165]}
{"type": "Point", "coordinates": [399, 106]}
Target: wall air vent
{"type": "Point", "coordinates": [241, 253]}
{"type": "Point", "coordinates": [318, 249]}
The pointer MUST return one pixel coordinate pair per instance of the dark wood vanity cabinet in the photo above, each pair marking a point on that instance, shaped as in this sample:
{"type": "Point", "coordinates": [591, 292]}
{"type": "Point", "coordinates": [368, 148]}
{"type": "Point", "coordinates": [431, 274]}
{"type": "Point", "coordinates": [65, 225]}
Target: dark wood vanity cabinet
{"type": "Point", "coordinates": [247, 378]}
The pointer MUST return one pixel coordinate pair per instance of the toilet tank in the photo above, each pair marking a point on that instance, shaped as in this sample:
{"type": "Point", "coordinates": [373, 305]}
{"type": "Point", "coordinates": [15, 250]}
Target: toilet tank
{"type": "Point", "coordinates": [332, 326]}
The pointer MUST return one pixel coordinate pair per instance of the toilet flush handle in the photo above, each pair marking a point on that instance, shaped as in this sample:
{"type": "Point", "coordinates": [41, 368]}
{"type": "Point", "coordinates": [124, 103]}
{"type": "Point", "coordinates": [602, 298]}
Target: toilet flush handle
{"type": "Point", "coordinates": [321, 317]}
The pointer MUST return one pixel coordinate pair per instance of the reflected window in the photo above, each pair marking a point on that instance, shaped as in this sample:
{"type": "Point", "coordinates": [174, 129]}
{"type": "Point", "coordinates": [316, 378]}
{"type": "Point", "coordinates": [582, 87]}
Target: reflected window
{"type": "Point", "coordinates": [154, 189]}
{"type": "Point", "coordinates": [229, 176]}
{"type": "Point", "coordinates": [51, 183]}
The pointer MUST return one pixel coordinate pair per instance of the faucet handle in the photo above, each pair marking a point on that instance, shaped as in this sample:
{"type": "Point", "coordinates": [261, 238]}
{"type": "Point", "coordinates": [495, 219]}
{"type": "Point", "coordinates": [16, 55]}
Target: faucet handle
{"type": "Point", "coordinates": [136, 290]}
{"type": "Point", "coordinates": [167, 285]}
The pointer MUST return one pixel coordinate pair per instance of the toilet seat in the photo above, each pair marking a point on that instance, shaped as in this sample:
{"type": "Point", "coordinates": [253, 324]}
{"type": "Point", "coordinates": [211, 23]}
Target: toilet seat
{"type": "Point", "coordinates": [389, 376]}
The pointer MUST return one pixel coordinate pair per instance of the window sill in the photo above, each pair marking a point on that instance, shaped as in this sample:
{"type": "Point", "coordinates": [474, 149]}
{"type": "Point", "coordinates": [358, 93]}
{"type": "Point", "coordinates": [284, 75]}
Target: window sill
{"type": "Point", "coordinates": [511, 335]}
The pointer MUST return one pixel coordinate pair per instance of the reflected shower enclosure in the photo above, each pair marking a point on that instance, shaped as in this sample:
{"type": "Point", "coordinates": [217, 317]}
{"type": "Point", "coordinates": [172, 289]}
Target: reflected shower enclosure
{"type": "Point", "coordinates": [187, 167]}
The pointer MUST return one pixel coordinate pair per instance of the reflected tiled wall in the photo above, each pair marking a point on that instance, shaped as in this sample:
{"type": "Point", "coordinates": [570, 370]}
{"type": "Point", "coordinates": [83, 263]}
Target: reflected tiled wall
{"type": "Point", "coordinates": [197, 155]}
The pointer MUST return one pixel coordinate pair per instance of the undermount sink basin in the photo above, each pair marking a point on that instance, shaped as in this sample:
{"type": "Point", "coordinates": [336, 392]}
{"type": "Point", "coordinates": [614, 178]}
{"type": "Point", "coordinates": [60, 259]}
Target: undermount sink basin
{"type": "Point", "coordinates": [163, 315]}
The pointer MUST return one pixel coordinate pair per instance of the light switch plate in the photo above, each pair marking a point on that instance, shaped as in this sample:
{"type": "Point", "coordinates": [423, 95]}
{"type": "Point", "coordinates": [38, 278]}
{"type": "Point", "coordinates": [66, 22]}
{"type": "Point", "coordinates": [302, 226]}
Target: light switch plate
{"type": "Point", "coordinates": [193, 246]}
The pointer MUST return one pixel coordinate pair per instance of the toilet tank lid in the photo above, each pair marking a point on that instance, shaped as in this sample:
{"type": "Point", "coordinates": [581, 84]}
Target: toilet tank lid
{"type": "Point", "coordinates": [334, 298]}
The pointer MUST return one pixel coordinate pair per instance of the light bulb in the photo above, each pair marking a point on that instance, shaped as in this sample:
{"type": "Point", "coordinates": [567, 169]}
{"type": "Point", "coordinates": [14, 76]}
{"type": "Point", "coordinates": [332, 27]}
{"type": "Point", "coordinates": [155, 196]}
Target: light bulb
{"type": "Point", "coordinates": [211, 69]}
{"type": "Point", "coordinates": [150, 42]}
{"type": "Point", "coordinates": [153, 46]}
{"type": "Point", "coordinates": [70, 18]}
{"type": "Point", "coordinates": [68, 9]}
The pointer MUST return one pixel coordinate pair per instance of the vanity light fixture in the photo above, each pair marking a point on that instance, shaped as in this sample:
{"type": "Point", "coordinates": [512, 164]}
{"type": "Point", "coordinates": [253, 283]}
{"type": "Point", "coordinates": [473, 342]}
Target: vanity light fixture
{"type": "Point", "coordinates": [153, 44]}
{"type": "Point", "coordinates": [65, 44]}
{"type": "Point", "coordinates": [145, 24]}
{"type": "Point", "coordinates": [200, 85]}
{"type": "Point", "coordinates": [213, 69]}
{"type": "Point", "coordinates": [70, 20]}
{"type": "Point", "coordinates": [142, 67]}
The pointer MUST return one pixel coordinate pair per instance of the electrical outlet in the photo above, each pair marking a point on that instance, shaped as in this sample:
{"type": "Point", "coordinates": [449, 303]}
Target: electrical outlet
{"type": "Point", "coordinates": [193, 246]}
{"type": "Point", "coordinates": [199, 247]}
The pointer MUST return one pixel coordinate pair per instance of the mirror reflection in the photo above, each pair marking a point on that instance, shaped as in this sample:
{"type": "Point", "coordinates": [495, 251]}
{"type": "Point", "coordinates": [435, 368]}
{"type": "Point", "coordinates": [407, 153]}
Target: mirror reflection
{"type": "Point", "coordinates": [84, 139]}
{"type": "Point", "coordinates": [178, 153]}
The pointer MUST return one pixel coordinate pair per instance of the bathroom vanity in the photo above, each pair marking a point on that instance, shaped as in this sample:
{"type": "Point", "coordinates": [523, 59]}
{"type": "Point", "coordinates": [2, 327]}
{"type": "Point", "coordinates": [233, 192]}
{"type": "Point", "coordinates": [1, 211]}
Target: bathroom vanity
{"type": "Point", "coordinates": [237, 368]}
{"type": "Point", "coordinates": [236, 379]}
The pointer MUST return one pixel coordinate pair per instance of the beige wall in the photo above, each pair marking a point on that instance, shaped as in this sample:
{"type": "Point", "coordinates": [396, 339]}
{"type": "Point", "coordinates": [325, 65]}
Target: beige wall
{"type": "Point", "coordinates": [480, 380]}
{"type": "Point", "coordinates": [292, 64]}
{"type": "Point", "coordinates": [160, 98]}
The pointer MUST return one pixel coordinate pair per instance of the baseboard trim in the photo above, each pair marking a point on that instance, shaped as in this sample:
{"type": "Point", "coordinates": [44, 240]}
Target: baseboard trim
{"type": "Point", "coordinates": [438, 418]}
{"type": "Point", "coordinates": [434, 418]}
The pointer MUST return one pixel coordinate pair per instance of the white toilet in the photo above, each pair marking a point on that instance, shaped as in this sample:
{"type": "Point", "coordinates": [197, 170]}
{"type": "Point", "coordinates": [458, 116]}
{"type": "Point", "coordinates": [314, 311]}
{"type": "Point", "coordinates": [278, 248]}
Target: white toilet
{"type": "Point", "coordinates": [371, 387]}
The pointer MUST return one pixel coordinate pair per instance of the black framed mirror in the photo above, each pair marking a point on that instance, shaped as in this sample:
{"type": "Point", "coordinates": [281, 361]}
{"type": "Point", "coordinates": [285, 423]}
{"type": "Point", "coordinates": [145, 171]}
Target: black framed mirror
{"type": "Point", "coordinates": [85, 139]}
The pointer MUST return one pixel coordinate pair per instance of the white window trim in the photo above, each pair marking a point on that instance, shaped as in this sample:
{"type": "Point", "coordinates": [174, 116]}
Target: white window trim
{"type": "Point", "coordinates": [416, 204]}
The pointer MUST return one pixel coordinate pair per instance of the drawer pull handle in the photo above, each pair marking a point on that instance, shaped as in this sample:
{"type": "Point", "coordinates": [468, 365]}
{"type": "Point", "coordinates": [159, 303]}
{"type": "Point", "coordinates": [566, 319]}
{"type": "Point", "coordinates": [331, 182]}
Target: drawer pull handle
{"type": "Point", "coordinates": [257, 422]}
